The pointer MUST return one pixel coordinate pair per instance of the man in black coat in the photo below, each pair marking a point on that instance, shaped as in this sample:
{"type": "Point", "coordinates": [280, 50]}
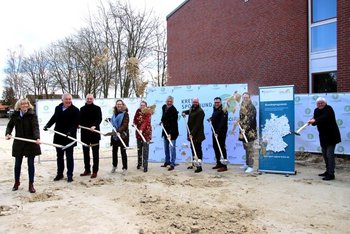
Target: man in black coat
{"type": "Point", "coordinates": [169, 121]}
{"type": "Point", "coordinates": [219, 121]}
{"type": "Point", "coordinates": [91, 117]}
{"type": "Point", "coordinates": [324, 119]}
{"type": "Point", "coordinates": [66, 120]}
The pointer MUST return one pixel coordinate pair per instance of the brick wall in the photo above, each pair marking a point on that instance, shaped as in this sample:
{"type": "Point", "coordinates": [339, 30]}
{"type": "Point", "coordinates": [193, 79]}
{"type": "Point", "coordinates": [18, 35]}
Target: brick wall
{"type": "Point", "coordinates": [343, 45]}
{"type": "Point", "coordinates": [260, 42]}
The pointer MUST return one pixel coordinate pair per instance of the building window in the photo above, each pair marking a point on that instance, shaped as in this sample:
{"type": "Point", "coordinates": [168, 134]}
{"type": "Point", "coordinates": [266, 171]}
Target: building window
{"type": "Point", "coordinates": [323, 10]}
{"type": "Point", "coordinates": [324, 37]}
{"type": "Point", "coordinates": [325, 82]}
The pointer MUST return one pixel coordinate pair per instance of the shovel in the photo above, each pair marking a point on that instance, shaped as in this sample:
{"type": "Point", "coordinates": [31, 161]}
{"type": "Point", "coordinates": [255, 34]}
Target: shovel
{"type": "Point", "coordinates": [97, 131]}
{"type": "Point", "coordinates": [222, 159]}
{"type": "Point", "coordinates": [118, 135]}
{"type": "Point", "coordinates": [167, 135]}
{"type": "Point", "coordinates": [34, 141]}
{"type": "Point", "coordinates": [69, 137]}
{"type": "Point", "coordinates": [297, 132]}
{"type": "Point", "coordinates": [243, 133]}
{"type": "Point", "coordinates": [196, 162]}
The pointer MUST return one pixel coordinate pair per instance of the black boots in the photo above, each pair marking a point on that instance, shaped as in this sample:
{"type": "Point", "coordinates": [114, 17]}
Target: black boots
{"type": "Point", "coordinates": [16, 185]}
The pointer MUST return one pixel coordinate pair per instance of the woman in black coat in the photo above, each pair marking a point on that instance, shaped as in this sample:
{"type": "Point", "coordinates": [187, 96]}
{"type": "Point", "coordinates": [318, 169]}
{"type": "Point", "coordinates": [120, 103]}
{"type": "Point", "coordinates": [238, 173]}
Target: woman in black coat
{"type": "Point", "coordinates": [324, 119]}
{"type": "Point", "coordinates": [25, 122]}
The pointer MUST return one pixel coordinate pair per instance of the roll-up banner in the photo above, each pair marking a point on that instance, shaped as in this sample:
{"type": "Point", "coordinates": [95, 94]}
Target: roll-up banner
{"type": "Point", "coordinates": [276, 124]}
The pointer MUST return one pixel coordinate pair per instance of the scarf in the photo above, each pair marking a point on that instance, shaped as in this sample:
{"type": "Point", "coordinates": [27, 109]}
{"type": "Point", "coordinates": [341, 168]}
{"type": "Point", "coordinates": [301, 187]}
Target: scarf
{"type": "Point", "coordinates": [117, 122]}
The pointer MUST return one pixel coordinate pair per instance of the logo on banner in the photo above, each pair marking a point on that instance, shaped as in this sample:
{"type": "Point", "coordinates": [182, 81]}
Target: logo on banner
{"type": "Point", "coordinates": [340, 149]}
{"type": "Point", "coordinates": [348, 135]}
{"type": "Point", "coordinates": [297, 99]}
{"type": "Point", "coordinates": [335, 96]}
{"type": "Point", "coordinates": [300, 123]}
{"type": "Point", "coordinates": [310, 136]}
{"type": "Point", "coordinates": [307, 111]}
{"type": "Point", "coordinates": [46, 108]}
{"type": "Point", "coordinates": [347, 108]}
{"type": "Point", "coordinates": [315, 97]}
{"type": "Point", "coordinates": [339, 122]}
{"type": "Point", "coordinates": [302, 149]}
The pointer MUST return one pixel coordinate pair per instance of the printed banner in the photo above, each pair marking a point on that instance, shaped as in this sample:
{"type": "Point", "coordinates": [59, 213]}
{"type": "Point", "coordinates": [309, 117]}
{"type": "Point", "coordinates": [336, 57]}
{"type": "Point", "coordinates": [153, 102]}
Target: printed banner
{"type": "Point", "coordinates": [182, 101]}
{"type": "Point", "coordinates": [46, 108]}
{"type": "Point", "coordinates": [276, 121]}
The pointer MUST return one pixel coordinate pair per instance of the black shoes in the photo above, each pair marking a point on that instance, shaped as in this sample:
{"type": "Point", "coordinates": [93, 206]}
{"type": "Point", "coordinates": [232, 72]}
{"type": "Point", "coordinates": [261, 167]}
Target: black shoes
{"type": "Point", "coordinates": [138, 167]}
{"type": "Point", "coordinates": [70, 179]}
{"type": "Point", "coordinates": [58, 177]}
{"type": "Point", "coordinates": [145, 169]}
{"type": "Point", "coordinates": [199, 169]}
{"type": "Point", "coordinates": [323, 174]}
{"type": "Point", "coordinates": [190, 167]}
{"type": "Point", "coordinates": [164, 165]}
{"type": "Point", "coordinates": [216, 167]}
{"type": "Point", "coordinates": [329, 177]}
{"type": "Point", "coordinates": [15, 186]}
{"type": "Point", "coordinates": [85, 173]}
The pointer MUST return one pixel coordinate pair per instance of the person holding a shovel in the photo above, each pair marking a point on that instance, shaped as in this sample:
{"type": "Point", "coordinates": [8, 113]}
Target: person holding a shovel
{"type": "Point", "coordinates": [142, 123]}
{"type": "Point", "coordinates": [66, 120]}
{"type": "Point", "coordinates": [248, 132]}
{"type": "Point", "coordinates": [25, 122]}
{"type": "Point", "coordinates": [195, 127]}
{"type": "Point", "coordinates": [120, 122]}
{"type": "Point", "coordinates": [219, 120]}
{"type": "Point", "coordinates": [91, 117]}
{"type": "Point", "coordinates": [170, 132]}
{"type": "Point", "coordinates": [324, 119]}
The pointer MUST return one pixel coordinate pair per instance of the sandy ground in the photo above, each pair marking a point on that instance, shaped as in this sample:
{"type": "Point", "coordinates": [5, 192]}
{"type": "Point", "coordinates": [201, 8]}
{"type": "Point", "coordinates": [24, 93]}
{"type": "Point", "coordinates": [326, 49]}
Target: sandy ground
{"type": "Point", "coordinates": [172, 202]}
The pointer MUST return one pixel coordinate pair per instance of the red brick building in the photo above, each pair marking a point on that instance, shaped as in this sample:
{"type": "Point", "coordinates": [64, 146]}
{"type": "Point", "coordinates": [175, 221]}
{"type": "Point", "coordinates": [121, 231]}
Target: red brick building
{"type": "Point", "coordinates": [262, 43]}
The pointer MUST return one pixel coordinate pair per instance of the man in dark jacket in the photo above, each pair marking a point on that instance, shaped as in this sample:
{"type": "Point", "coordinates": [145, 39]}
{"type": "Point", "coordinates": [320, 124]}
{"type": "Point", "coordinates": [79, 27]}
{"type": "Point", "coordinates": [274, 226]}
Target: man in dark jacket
{"type": "Point", "coordinates": [219, 121]}
{"type": "Point", "coordinates": [169, 121]}
{"type": "Point", "coordinates": [196, 128]}
{"type": "Point", "coordinates": [91, 117]}
{"type": "Point", "coordinates": [66, 120]}
{"type": "Point", "coordinates": [324, 119]}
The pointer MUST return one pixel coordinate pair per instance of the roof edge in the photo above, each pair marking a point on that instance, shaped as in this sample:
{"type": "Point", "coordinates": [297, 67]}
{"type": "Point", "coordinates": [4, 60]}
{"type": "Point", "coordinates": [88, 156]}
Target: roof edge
{"type": "Point", "coordinates": [176, 9]}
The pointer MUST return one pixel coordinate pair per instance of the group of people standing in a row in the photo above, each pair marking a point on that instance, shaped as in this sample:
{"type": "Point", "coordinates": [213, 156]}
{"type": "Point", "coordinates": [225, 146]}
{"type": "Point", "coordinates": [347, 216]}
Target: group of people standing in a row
{"type": "Point", "coordinates": [68, 118]}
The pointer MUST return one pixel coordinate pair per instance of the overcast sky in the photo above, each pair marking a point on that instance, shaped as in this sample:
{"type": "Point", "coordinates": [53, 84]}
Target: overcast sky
{"type": "Point", "coordinates": [36, 23]}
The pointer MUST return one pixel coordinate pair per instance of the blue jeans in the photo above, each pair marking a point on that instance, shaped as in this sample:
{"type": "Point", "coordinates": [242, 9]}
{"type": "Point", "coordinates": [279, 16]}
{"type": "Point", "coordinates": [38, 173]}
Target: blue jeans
{"type": "Point", "coordinates": [31, 168]}
{"type": "Point", "coordinates": [170, 152]}
{"type": "Point", "coordinates": [329, 159]}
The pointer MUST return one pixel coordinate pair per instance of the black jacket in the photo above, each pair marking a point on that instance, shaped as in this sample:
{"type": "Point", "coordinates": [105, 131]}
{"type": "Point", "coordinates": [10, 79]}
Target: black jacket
{"type": "Point", "coordinates": [327, 126]}
{"type": "Point", "coordinates": [169, 120]}
{"type": "Point", "coordinates": [66, 122]}
{"type": "Point", "coordinates": [196, 123]}
{"type": "Point", "coordinates": [90, 115]}
{"type": "Point", "coordinates": [219, 120]}
{"type": "Point", "coordinates": [27, 127]}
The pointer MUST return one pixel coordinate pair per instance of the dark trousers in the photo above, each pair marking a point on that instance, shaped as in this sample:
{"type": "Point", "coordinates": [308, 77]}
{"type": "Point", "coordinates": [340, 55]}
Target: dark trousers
{"type": "Point", "coordinates": [31, 168]}
{"type": "Point", "coordinates": [95, 158]}
{"type": "Point", "coordinates": [69, 159]}
{"type": "Point", "coordinates": [329, 158]}
{"type": "Point", "coordinates": [222, 141]}
{"type": "Point", "coordinates": [198, 148]}
{"type": "Point", "coordinates": [142, 153]}
{"type": "Point", "coordinates": [115, 155]}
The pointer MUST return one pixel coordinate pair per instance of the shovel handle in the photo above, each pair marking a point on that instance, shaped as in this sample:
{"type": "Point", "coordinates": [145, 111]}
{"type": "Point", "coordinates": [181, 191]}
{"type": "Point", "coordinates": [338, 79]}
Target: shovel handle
{"type": "Point", "coordinates": [167, 135]}
{"type": "Point", "coordinates": [191, 140]}
{"type": "Point", "coordinates": [97, 131]}
{"type": "Point", "coordinates": [140, 133]}
{"type": "Point", "coordinates": [243, 133]}
{"type": "Point", "coordinates": [217, 140]}
{"type": "Point", "coordinates": [302, 127]}
{"type": "Point", "coordinates": [69, 137]}
{"type": "Point", "coordinates": [34, 141]}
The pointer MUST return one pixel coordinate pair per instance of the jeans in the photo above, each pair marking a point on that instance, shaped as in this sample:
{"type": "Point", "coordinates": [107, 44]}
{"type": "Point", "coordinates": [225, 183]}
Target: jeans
{"type": "Point", "coordinates": [69, 159]}
{"type": "Point", "coordinates": [115, 156]}
{"type": "Point", "coordinates": [142, 153]}
{"type": "Point", "coordinates": [249, 153]}
{"type": "Point", "coordinates": [328, 156]}
{"type": "Point", "coordinates": [31, 168]}
{"type": "Point", "coordinates": [170, 152]}
{"type": "Point", "coordinates": [95, 155]}
{"type": "Point", "coordinates": [222, 140]}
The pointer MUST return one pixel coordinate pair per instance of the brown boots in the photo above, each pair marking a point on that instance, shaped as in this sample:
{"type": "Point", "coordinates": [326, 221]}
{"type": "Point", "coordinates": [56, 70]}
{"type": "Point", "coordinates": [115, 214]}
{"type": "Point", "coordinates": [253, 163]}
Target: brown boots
{"type": "Point", "coordinates": [31, 188]}
{"type": "Point", "coordinates": [16, 185]}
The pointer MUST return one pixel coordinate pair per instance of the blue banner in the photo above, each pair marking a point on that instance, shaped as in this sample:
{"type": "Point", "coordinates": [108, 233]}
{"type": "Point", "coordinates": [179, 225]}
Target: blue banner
{"type": "Point", "coordinates": [276, 124]}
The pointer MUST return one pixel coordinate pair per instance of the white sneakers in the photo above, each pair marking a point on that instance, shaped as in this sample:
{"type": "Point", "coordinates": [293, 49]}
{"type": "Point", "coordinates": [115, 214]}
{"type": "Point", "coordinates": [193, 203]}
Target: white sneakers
{"type": "Point", "coordinates": [113, 169]}
{"type": "Point", "coordinates": [243, 168]}
{"type": "Point", "coordinates": [124, 172]}
{"type": "Point", "coordinates": [249, 170]}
